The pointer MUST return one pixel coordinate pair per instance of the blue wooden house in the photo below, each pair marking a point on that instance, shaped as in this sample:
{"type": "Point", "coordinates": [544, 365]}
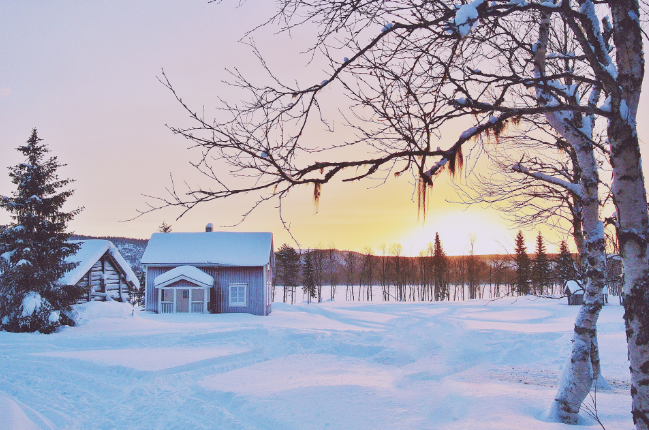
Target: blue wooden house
{"type": "Point", "coordinates": [215, 272]}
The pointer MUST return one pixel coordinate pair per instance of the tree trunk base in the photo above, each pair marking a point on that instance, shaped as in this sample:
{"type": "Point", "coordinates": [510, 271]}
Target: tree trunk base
{"type": "Point", "coordinates": [601, 385]}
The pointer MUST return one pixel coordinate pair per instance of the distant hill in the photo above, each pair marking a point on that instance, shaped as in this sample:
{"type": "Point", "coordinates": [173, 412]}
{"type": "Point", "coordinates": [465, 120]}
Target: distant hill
{"type": "Point", "coordinates": [131, 249]}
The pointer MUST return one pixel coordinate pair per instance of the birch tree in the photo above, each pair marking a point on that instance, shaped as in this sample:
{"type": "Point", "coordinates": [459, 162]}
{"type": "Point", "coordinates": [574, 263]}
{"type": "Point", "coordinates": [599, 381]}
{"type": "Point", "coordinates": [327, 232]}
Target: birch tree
{"type": "Point", "coordinates": [472, 269]}
{"type": "Point", "coordinates": [368, 263]}
{"type": "Point", "coordinates": [410, 69]}
{"type": "Point", "coordinates": [564, 186]}
{"type": "Point", "coordinates": [383, 272]}
{"type": "Point", "coordinates": [350, 259]}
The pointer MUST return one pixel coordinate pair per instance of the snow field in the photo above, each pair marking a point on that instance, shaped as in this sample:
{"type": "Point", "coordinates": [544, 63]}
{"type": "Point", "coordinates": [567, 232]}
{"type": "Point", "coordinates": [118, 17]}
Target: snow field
{"type": "Point", "coordinates": [333, 365]}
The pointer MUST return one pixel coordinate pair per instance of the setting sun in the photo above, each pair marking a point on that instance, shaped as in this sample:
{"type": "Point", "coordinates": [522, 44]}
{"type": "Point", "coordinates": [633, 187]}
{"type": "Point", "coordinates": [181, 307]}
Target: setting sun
{"type": "Point", "coordinates": [455, 229]}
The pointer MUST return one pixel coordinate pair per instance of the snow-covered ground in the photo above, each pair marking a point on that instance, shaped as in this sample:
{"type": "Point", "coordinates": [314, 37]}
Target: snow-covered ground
{"type": "Point", "coordinates": [333, 365]}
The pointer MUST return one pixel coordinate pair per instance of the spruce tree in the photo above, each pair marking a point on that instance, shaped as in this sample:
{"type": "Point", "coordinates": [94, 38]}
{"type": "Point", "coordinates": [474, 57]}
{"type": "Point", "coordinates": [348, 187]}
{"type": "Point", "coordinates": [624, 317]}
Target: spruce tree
{"type": "Point", "coordinates": [564, 265]}
{"type": "Point", "coordinates": [35, 245]}
{"type": "Point", "coordinates": [522, 265]}
{"type": "Point", "coordinates": [288, 267]}
{"type": "Point", "coordinates": [308, 276]}
{"type": "Point", "coordinates": [440, 267]}
{"type": "Point", "coordinates": [541, 266]}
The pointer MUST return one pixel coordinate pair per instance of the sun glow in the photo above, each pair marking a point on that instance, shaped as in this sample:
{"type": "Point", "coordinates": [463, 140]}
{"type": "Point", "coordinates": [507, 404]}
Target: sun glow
{"type": "Point", "coordinates": [456, 229]}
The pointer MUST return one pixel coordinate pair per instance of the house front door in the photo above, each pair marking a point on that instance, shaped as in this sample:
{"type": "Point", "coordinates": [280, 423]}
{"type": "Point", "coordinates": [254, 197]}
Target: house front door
{"type": "Point", "coordinates": [182, 300]}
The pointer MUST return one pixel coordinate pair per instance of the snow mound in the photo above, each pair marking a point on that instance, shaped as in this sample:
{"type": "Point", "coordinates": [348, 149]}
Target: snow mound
{"type": "Point", "coordinates": [552, 416]}
{"type": "Point", "coordinates": [13, 417]}
{"type": "Point", "coordinates": [89, 311]}
{"type": "Point", "coordinates": [31, 303]}
{"type": "Point", "coordinates": [150, 359]}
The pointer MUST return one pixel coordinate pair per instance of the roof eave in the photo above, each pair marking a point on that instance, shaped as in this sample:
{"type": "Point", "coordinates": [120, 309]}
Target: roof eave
{"type": "Point", "coordinates": [165, 264]}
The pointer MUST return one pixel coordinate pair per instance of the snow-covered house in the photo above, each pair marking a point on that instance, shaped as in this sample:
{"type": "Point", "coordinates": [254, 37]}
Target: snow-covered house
{"type": "Point", "coordinates": [575, 293]}
{"type": "Point", "coordinates": [216, 272]}
{"type": "Point", "coordinates": [101, 270]}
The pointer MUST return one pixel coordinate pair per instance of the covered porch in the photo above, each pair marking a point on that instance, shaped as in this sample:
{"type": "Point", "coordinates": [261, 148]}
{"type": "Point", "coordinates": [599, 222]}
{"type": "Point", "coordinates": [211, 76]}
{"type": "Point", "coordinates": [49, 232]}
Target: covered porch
{"type": "Point", "coordinates": [184, 289]}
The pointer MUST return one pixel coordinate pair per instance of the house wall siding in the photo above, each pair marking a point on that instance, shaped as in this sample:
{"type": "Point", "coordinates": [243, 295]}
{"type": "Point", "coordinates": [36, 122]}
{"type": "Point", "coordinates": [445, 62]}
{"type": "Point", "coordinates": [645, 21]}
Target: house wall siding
{"type": "Point", "coordinates": [219, 296]}
{"type": "Point", "coordinates": [183, 284]}
{"type": "Point", "coordinates": [253, 277]}
{"type": "Point", "coordinates": [151, 293]}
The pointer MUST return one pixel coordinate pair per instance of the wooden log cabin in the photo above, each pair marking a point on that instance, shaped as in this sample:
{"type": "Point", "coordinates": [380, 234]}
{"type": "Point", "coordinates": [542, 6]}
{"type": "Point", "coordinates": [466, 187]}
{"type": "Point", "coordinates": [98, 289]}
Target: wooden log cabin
{"type": "Point", "coordinates": [210, 272]}
{"type": "Point", "coordinates": [101, 271]}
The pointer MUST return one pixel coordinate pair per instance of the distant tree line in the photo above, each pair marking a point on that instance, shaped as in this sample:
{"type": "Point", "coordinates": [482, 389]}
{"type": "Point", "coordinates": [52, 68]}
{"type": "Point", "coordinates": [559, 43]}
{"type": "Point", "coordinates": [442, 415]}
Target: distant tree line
{"type": "Point", "coordinates": [430, 276]}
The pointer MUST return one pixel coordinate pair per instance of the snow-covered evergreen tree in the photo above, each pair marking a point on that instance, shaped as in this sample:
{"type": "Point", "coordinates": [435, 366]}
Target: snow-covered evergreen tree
{"type": "Point", "coordinates": [34, 246]}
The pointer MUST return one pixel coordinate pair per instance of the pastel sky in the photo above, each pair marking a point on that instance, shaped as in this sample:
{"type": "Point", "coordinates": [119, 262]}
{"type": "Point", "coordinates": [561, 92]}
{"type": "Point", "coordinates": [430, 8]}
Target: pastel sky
{"type": "Point", "coordinates": [86, 75]}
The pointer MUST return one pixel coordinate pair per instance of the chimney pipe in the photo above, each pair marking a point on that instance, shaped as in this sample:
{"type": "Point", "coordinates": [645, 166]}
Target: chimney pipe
{"type": "Point", "coordinates": [209, 227]}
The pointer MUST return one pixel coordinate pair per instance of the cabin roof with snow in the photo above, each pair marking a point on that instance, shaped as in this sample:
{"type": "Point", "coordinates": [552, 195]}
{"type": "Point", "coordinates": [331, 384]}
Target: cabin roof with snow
{"type": "Point", "coordinates": [573, 287]}
{"type": "Point", "coordinates": [187, 273]}
{"type": "Point", "coordinates": [209, 248]}
{"type": "Point", "coordinates": [90, 251]}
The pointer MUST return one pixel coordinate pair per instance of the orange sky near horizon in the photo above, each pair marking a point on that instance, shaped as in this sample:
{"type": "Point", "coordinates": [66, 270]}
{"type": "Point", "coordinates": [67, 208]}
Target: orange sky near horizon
{"type": "Point", "coordinates": [85, 74]}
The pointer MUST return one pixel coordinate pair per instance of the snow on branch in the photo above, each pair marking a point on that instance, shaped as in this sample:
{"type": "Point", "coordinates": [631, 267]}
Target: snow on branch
{"type": "Point", "coordinates": [402, 89]}
{"type": "Point", "coordinates": [575, 189]}
{"type": "Point", "coordinates": [436, 167]}
{"type": "Point", "coordinates": [561, 56]}
{"type": "Point", "coordinates": [466, 17]}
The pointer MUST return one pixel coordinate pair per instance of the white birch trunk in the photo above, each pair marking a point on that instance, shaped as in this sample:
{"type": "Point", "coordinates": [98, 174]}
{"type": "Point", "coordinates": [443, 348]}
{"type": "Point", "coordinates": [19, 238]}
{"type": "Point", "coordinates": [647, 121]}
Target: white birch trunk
{"type": "Point", "coordinates": [583, 366]}
{"type": "Point", "coordinates": [630, 199]}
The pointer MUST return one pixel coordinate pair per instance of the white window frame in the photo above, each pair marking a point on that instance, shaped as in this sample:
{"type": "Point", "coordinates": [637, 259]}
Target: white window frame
{"type": "Point", "coordinates": [238, 304]}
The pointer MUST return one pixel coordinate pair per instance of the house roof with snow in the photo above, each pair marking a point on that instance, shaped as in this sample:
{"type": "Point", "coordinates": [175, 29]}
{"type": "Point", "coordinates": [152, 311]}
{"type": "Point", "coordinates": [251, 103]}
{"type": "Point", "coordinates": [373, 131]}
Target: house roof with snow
{"type": "Point", "coordinates": [90, 251]}
{"type": "Point", "coordinates": [573, 287]}
{"type": "Point", "coordinates": [210, 248]}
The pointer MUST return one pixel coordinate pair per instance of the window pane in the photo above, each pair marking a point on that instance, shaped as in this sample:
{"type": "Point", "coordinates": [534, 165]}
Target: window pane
{"type": "Point", "coordinates": [197, 295]}
{"type": "Point", "coordinates": [237, 294]}
{"type": "Point", "coordinates": [167, 295]}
